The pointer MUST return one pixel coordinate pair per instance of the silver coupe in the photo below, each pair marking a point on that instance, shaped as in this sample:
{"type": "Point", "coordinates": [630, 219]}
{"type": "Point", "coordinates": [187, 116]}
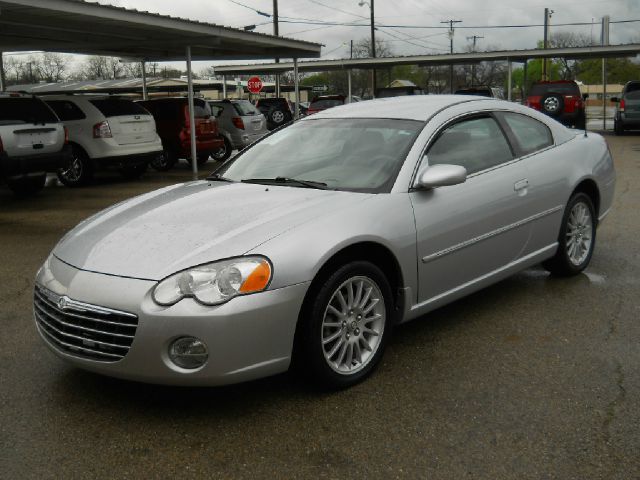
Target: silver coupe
{"type": "Point", "coordinates": [311, 245]}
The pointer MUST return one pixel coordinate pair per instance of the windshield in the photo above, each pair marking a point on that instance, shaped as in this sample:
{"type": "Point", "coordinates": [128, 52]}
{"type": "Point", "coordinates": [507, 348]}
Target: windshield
{"type": "Point", "coordinates": [361, 154]}
{"type": "Point", "coordinates": [564, 88]}
{"type": "Point", "coordinates": [16, 110]}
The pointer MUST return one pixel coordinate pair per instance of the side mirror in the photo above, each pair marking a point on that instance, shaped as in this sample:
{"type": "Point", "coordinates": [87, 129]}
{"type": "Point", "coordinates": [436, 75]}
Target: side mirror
{"type": "Point", "coordinates": [585, 96]}
{"type": "Point", "coordinates": [441, 176]}
{"type": "Point", "coordinates": [614, 99]}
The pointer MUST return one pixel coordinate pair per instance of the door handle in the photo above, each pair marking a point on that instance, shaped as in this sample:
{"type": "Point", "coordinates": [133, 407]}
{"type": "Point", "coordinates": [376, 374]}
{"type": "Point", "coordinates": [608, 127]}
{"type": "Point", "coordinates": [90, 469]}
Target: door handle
{"type": "Point", "coordinates": [521, 185]}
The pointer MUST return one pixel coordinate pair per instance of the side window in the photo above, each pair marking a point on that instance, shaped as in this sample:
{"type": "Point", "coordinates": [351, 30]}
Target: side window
{"type": "Point", "coordinates": [530, 134]}
{"type": "Point", "coordinates": [476, 144]}
{"type": "Point", "coordinates": [66, 110]}
{"type": "Point", "coordinates": [216, 110]}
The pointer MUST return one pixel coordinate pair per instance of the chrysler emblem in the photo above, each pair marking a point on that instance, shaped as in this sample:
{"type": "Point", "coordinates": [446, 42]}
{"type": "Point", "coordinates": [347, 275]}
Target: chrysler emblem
{"type": "Point", "coordinates": [62, 302]}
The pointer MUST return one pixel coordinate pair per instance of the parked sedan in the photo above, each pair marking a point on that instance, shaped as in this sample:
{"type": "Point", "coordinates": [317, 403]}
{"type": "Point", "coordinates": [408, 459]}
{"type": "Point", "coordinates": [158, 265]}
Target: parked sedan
{"type": "Point", "coordinates": [313, 243]}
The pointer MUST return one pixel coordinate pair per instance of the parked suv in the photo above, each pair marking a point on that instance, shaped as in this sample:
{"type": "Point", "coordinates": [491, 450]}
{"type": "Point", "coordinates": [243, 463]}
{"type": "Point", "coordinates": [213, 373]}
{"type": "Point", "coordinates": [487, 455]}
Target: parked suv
{"type": "Point", "coordinates": [627, 108]}
{"type": "Point", "coordinates": [105, 131]}
{"type": "Point", "coordinates": [560, 99]}
{"type": "Point", "coordinates": [240, 124]}
{"type": "Point", "coordinates": [277, 111]}
{"type": "Point", "coordinates": [172, 121]}
{"type": "Point", "coordinates": [32, 142]}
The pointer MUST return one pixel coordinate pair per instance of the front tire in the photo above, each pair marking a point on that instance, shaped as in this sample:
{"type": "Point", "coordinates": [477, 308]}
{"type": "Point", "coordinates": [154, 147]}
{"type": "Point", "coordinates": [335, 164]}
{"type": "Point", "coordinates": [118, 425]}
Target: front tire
{"type": "Point", "coordinates": [577, 238]}
{"type": "Point", "coordinates": [346, 325]}
{"type": "Point", "coordinates": [618, 129]}
{"type": "Point", "coordinates": [164, 162]}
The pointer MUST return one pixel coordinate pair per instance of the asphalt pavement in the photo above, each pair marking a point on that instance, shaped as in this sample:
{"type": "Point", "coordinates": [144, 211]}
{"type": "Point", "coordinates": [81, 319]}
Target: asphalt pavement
{"type": "Point", "coordinates": [533, 378]}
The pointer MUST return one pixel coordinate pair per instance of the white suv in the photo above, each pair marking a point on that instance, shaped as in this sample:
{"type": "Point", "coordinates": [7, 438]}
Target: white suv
{"type": "Point", "coordinates": [105, 131]}
{"type": "Point", "coordinates": [32, 142]}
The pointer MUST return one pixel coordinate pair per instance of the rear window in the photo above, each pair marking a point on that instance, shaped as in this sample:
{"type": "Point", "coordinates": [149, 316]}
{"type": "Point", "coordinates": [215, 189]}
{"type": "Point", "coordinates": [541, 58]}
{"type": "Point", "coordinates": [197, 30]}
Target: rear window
{"type": "Point", "coordinates": [327, 103]}
{"type": "Point", "coordinates": [563, 88]}
{"type": "Point", "coordinates": [201, 108]}
{"type": "Point", "coordinates": [18, 110]}
{"type": "Point", "coordinates": [245, 108]}
{"type": "Point", "coordinates": [634, 95]}
{"type": "Point", "coordinates": [113, 107]}
{"type": "Point", "coordinates": [632, 87]}
{"type": "Point", "coordinates": [66, 110]}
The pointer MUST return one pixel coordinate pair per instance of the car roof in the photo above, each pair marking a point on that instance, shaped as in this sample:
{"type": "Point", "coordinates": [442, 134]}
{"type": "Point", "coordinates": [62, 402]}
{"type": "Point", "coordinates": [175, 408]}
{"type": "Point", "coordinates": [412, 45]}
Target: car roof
{"type": "Point", "coordinates": [416, 107]}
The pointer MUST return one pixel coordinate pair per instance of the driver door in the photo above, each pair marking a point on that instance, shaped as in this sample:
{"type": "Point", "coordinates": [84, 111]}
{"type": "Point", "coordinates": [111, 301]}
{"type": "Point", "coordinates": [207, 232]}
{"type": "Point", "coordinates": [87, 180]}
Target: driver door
{"type": "Point", "coordinates": [467, 231]}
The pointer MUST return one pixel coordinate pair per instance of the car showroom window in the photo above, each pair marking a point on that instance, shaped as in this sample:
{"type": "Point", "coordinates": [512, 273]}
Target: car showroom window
{"type": "Point", "coordinates": [531, 134]}
{"type": "Point", "coordinates": [66, 111]}
{"type": "Point", "coordinates": [476, 144]}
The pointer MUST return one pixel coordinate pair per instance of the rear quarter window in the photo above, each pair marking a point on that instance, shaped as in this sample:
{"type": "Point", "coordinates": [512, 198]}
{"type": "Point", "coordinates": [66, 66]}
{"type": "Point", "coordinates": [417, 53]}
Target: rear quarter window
{"type": "Point", "coordinates": [66, 110]}
{"type": "Point", "coordinates": [16, 110]}
{"type": "Point", "coordinates": [114, 107]}
{"type": "Point", "coordinates": [531, 134]}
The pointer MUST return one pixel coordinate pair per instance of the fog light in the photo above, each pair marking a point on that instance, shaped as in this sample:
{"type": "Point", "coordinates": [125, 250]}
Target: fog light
{"type": "Point", "coordinates": [188, 352]}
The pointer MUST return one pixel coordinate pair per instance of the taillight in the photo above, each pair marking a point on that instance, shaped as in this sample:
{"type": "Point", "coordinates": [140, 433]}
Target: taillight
{"type": "Point", "coordinates": [102, 130]}
{"type": "Point", "coordinates": [66, 135]}
{"type": "Point", "coordinates": [237, 122]}
{"type": "Point", "coordinates": [622, 104]}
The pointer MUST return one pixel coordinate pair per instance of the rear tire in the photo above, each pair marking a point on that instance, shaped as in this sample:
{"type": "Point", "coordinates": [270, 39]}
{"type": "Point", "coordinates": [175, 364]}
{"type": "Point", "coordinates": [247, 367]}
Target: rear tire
{"type": "Point", "coordinates": [27, 186]}
{"type": "Point", "coordinates": [345, 325]}
{"type": "Point", "coordinates": [79, 170]}
{"type": "Point", "coordinates": [618, 129]}
{"type": "Point", "coordinates": [577, 238]}
{"type": "Point", "coordinates": [223, 153]}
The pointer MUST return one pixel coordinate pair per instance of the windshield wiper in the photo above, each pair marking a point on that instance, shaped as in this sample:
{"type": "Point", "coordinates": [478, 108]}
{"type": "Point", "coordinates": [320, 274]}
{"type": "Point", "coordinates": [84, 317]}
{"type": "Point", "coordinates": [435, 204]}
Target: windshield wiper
{"type": "Point", "coordinates": [220, 178]}
{"type": "Point", "coordinates": [288, 181]}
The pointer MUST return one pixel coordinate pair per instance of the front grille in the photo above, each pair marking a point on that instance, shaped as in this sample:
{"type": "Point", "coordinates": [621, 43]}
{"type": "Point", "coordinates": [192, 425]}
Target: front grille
{"type": "Point", "coordinates": [81, 329]}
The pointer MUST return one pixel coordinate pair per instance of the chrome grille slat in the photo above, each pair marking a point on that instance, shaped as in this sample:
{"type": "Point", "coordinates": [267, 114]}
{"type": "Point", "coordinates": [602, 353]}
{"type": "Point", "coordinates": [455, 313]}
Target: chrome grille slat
{"type": "Point", "coordinates": [70, 325]}
{"type": "Point", "coordinates": [75, 347]}
{"type": "Point", "coordinates": [93, 319]}
{"type": "Point", "coordinates": [82, 329]}
{"type": "Point", "coordinates": [76, 337]}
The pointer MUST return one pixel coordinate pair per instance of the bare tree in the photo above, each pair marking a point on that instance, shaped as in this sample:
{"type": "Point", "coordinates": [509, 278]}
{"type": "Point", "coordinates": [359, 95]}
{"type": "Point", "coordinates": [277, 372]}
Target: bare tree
{"type": "Point", "coordinates": [101, 68]}
{"type": "Point", "coordinates": [51, 67]}
{"type": "Point", "coordinates": [562, 39]}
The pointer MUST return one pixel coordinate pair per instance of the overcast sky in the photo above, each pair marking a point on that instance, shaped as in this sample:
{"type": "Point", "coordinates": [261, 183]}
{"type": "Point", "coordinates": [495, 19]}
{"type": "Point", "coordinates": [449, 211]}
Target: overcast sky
{"type": "Point", "coordinates": [405, 41]}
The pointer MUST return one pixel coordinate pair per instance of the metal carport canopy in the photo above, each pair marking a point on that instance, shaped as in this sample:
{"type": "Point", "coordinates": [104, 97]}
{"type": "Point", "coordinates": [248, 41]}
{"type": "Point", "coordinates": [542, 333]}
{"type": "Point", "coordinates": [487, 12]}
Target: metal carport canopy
{"type": "Point", "coordinates": [440, 59]}
{"type": "Point", "coordinates": [75, 26]}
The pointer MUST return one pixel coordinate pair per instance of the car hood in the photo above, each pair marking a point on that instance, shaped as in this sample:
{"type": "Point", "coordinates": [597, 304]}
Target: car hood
{"type": "Point", "coordinates": [168, 230]}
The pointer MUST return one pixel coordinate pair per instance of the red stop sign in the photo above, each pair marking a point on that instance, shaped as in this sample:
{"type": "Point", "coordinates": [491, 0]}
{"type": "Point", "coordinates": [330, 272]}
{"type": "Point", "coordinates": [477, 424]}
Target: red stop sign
{"type": "Point", "coordinates": [254, 84]}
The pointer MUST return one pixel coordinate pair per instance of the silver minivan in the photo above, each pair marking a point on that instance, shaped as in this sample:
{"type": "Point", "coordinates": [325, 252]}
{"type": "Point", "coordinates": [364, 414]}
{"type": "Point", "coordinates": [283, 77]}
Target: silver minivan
{"type": "Point", "coordinates": [240, 125]}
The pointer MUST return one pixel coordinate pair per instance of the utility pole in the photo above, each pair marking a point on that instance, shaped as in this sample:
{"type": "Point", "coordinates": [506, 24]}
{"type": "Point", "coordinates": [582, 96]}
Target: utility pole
{"type": "Point", "coordinates": [3, 82]}
{"type": "Point", "coordinates": [373, 43]}
{"type": "Point", "coordinates": [276, 33]}
{"type": "Point", "coordinates": [604, 40]}
{"type": "Point", "coordinates": [351, 49]}
{"type": "Point", "coordinates": [473, 65]}
{"type": "Point", "coordinates": [545, 42]}
{"type": "Point", "coordinates": [451, 22]}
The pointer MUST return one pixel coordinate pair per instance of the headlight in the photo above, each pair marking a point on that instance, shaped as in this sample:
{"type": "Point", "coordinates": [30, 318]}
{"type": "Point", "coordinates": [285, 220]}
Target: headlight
{"type": "Point", "coordinates": [215, 283]}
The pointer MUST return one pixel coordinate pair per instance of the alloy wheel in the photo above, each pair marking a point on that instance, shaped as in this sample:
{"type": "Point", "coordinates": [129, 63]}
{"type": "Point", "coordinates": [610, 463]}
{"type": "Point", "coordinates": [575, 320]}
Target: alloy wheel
{"type": "Point", "coordinates": [353, 325]}
{"type": "Point", "coordinates": [579, 234]}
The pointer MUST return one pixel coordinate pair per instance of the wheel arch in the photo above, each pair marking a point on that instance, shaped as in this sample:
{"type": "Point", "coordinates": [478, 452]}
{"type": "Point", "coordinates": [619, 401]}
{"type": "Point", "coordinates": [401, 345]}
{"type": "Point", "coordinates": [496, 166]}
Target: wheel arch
{"type": "Point", "coordinates": [367, 250]}
{"type": "Point", "coordinates": [589, 187]}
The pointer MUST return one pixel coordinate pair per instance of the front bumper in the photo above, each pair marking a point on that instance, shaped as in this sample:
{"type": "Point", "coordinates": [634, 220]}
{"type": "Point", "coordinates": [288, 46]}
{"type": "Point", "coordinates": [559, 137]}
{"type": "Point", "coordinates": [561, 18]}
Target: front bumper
{"type": "Point", "coordinates": [248, 337]}
{"type": "Point", "coordinates": [15, 167]}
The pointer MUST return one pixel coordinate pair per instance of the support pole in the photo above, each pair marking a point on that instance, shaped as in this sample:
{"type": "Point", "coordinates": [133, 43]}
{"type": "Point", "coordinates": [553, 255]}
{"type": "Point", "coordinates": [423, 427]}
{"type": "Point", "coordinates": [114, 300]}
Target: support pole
{"type": "Point", "coordinates": [545, 43]}
{"type": "Point", "coordinates": [192, 119]}
{"type": "Point", "coordinates": [224, 86]}
{"type": "Point", "coordinates": [349, 86]}
{"type": "Point", "coordinates": [296, 87]}
{"type": "Point", "coordinates": [373, 51]}
{"type": "Point", "coordinates": [509, 79]}
{"type": "Point", "coordinates": [3, 84]}
{"type": "Point", "coordinates": [524, 82]}
{"type": "Point", "coordinates": [276, 32]}
{"type": "Point", "coordinates": [604, 39]}
{"type": "Point", "coordinates": [145, 94]}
